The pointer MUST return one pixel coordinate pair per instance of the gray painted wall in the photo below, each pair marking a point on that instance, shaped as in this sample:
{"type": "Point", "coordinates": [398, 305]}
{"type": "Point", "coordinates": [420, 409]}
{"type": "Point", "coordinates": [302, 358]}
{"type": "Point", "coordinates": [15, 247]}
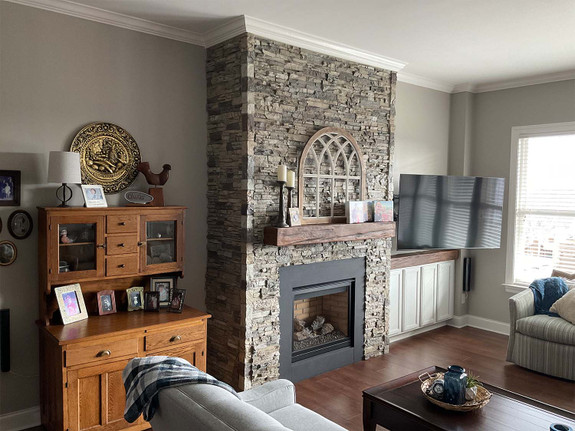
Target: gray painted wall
{"type": "Point", "coordinates": [495, 113]}
{"type": "Point", "coordinates": [59, 73]}
{"type": "Point", "coordinates": [421, 131]}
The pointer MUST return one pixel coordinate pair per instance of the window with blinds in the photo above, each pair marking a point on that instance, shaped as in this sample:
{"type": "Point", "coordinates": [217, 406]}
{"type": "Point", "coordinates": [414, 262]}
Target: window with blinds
{"type": "Point", "coordinates": [545, 207]}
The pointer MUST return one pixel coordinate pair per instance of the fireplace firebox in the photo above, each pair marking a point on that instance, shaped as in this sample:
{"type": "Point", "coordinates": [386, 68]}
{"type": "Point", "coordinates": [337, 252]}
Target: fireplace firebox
{"type": "Point", "coordinates": [321, 317]}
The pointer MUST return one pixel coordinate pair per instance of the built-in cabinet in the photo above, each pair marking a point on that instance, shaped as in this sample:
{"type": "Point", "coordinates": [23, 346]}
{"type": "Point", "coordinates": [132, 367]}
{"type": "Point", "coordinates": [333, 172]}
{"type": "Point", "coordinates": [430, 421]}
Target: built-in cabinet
{"type": "Point", "coordinates": [420, 296]}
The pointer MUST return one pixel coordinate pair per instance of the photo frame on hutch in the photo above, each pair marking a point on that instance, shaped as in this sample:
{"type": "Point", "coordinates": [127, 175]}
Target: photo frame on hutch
{"type": "Point", "coordinates": [135, 298]}
{"type": "Point", "coordinates": [71, 303]}
{"type": "Point", "coordinates": [177, 302]}
{"type": "Point", "coordinates": [106, 302]}
{"type": "Point", "coordinates": [164, 286]}
{"type": "Point", "coordinates": [94, 196]}
{"type": "Point", "coordinates": [10, 188]}
{"type": "Point", "coordinates": [151, 301]}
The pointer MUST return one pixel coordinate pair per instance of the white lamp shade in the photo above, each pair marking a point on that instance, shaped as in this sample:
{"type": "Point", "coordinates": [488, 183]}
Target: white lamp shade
{"type": "Point", "coordinates": [64, 167]}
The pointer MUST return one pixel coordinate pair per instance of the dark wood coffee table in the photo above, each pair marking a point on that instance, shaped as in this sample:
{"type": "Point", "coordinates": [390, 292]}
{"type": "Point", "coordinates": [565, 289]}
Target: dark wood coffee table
{"type": "Point", "coordinates": [400, 405]}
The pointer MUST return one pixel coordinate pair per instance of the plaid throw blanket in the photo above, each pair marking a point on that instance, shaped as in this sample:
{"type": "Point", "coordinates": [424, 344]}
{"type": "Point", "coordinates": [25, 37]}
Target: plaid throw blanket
{"type": "Point", "coordinates": [145, 377]}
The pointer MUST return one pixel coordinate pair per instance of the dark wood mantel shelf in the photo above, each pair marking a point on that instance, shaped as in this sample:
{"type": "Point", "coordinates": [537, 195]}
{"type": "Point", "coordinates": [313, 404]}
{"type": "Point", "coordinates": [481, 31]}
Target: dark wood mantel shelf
{"type": "Point", "coordinates": [318, 233]}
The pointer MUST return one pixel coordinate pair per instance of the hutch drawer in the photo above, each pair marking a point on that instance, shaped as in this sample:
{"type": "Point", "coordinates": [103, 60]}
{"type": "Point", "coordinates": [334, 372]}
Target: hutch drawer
{"type": "Point", "coordinates": [121, 223]}
{"type": "Point", "coordinates": [122, 264]}
{"type": "Point", "coordinates": [121, 244]}
{"type": "Point", "coordinates": [175, 336]}
{"type": "Point", "coordinates": [104, 351]}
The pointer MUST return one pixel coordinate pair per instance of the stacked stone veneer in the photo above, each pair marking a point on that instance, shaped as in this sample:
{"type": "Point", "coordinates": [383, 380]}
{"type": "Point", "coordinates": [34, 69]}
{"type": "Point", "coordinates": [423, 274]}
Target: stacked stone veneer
{"type": "Point", "coordinates": [265, 100]}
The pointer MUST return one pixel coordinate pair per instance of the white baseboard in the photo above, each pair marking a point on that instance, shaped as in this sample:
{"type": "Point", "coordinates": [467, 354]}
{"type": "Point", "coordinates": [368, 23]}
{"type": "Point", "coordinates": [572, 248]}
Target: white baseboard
{"type": "Point", "coordinates": [21, 420]}
{"type": "Point", "coordinates": [480, 323]}
{"type": "Point", "coordinates": [398, 337]}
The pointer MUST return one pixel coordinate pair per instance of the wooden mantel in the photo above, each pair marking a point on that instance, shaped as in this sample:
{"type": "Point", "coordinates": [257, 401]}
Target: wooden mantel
{"type": "Point", "coordinates": [318, 233]}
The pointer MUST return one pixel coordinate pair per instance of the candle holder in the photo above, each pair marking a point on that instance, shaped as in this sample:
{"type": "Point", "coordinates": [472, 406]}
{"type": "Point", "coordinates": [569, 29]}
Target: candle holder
{"type": "Point", "coordinates": [281, 222]}
{"type": "Point", "coordinates": [289, 200]}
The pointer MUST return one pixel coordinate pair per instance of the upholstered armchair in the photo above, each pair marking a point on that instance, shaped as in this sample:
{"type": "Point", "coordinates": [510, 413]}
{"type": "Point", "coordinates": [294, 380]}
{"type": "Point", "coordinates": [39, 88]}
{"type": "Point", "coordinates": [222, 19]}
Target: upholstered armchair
{"type": "Point", "coordinates": [539, 342]}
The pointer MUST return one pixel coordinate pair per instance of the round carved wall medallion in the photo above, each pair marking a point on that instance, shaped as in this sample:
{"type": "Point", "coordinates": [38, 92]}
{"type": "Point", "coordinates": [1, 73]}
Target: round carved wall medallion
{"type": "Point", "coordinates": [109, 156]}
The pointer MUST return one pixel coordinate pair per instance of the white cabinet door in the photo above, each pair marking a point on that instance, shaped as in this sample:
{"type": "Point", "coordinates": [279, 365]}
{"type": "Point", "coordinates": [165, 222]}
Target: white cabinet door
{"type": "Point", "coordinates": [428, 289]}
{"type": "Point", "coordinates": [410, 310]}
{"type": "Point", "coordinates": [445, 286]}
{"type": "Point", "coordinates": [395, 302]}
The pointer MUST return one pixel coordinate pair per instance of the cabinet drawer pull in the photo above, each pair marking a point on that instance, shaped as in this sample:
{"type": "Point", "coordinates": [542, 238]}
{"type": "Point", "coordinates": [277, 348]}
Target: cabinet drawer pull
{"type": "Point", "coordinates": [104, 353]}
{"type": "Point", "coordinates": [122, 223]}
{"type": "Point", "coordinates": [100, 245]}
{"type": "Point", "coordinates": [121, 245]}
{"type": "Point", "coordinates": [122, 265]}
{"type": "Point", "coordinates": [175, 338]}
{"type": "Point", "coordinates": [140, 243]}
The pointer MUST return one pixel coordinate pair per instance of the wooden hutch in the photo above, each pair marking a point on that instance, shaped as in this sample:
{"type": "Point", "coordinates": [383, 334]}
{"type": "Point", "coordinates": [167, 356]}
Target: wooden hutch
{"type": "Point", "coordinates": [81, 363]}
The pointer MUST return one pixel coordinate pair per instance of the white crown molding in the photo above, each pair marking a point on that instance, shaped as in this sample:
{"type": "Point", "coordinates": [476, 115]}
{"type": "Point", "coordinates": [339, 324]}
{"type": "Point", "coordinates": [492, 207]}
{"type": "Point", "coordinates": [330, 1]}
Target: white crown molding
{"type": "Point", "coordinates": [421, 81]}
{"type": "Point", "coordinates": [21, 419]}
{"type": "Point", "coordinates": [516, 83]}
{"type": "Point", "coordinates": [461, 88]}
{"type": "Point", "coordinates": [232, 28]}
{"type": "Point", "coordinates": [116, 19]}
{"type": "Point", "coordinates": [324, 46]}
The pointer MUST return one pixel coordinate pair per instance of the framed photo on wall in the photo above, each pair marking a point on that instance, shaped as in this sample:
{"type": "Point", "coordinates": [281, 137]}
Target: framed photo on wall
{"type": "Point", "coordinates": [106, 302]}
{"type": "Point", "coordinates": [71, 303]}
{"type": "Point", "coordinates": [135, 298]}
{"type": "Point", "coordinates": [165, 286]}
{"type": "Point", "coordinates": [10, 188]}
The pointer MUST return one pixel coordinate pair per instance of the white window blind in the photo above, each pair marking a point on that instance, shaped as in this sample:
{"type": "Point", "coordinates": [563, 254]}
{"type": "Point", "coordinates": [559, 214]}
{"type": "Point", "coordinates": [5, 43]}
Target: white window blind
{"type": "Point", "coordinates": [545, 207]}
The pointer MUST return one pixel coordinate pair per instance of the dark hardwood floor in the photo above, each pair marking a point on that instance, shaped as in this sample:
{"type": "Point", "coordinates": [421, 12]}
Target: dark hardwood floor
{"type": "Point", "coordinates": [337, 394]}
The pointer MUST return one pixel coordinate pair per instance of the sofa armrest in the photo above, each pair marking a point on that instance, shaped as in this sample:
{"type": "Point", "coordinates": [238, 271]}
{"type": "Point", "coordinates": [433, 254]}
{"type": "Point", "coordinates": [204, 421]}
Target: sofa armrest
{"type": "Point", "coordinates": [520, 305]}
{"type": "Point", "coordinates": [270, 396]}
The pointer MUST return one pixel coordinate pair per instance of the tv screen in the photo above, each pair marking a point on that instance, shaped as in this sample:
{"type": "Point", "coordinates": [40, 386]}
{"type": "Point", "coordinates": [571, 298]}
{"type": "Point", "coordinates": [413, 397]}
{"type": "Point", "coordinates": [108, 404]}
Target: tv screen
{"type": "Point", "coordinates": [449, 212]}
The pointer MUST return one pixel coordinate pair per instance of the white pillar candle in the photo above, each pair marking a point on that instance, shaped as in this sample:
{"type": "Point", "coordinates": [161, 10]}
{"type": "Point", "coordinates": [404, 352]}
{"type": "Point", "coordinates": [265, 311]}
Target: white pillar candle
{"type": "Point", "coordinates": [290, 179]}
{"type": "Point", "coordinates": [282, 173]}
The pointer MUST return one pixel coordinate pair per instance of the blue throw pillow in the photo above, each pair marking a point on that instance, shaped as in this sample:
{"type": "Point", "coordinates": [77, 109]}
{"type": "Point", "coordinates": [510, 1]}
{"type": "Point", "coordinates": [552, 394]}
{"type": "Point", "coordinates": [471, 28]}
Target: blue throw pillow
{"type": "Point", "coordinates": [546, 291]}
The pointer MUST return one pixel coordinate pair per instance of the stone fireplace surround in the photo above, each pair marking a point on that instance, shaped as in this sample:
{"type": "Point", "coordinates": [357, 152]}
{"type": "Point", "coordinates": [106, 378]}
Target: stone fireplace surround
{"type": "Point", "coordinates": [265, 100]}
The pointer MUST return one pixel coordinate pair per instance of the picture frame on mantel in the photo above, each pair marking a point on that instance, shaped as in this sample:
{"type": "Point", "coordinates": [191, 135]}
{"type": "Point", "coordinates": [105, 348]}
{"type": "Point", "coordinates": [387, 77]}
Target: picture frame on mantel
{"type": "Point", "coordinates": [10, 185]}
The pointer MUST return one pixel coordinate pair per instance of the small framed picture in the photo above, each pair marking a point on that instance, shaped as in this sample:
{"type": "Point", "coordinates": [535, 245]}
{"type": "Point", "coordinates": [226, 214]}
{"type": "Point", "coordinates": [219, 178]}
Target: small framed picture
{"type": "Point", "coordinates": [135, 298]}
{"type": "Point", "coordinates": [8, 253]}
{"type": "Point", "coordinates": [106, 302]}
{"type": "Point", "coordinates": [94, 196]}
{"type": "Point", "coordinates": [152, 301]}
{"type": "Point", "coordinates": [177, 302]}
{"type": "Point", "coordinates": [382, 210]}
{"type": "Point", "coordinates": [358, 211]}
{"type": "Point", "coordinates": [71, 303]}
{"type": "Point", "coordinates": [294, 219]}
{"type": "Point", "coordinates": [9, 188]}
{"type": "Point", "coordinates": [165, 286]}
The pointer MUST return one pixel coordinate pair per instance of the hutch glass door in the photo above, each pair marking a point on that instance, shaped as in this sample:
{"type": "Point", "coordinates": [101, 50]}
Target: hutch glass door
{"type": "Point", "coordinates": [162, 236]}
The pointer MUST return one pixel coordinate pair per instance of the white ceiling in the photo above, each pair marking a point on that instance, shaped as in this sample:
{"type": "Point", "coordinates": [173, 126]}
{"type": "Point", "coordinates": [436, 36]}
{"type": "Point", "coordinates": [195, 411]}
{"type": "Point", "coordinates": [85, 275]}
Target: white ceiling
{"type": "Point", "coordinates": [455, 42]}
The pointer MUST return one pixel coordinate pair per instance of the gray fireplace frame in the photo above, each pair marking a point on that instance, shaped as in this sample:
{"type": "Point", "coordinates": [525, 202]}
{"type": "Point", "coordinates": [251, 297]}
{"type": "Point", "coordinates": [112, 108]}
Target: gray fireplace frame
{"type": "Point", "coordinates": [321, 273]}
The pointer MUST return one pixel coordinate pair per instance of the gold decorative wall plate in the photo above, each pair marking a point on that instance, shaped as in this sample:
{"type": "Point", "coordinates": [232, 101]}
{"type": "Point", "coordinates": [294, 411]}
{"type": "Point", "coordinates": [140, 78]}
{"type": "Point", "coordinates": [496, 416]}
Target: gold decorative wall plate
{"type": "Point", "coordinates": [109, 156]}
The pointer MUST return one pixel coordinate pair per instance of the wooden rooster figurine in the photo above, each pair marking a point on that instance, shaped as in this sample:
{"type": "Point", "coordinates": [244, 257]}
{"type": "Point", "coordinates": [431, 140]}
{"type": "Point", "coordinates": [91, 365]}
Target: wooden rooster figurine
{"type": "Point", "coordinates": [155, 180]}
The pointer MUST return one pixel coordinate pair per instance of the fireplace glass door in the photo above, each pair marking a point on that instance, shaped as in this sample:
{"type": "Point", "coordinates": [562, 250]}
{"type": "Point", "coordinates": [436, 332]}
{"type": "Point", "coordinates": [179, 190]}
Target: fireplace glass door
{"type": "Point", "coordinates": [322, 319]}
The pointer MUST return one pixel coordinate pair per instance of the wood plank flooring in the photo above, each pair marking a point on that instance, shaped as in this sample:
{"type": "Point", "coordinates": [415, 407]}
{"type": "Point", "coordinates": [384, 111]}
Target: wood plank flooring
{"type": "Point", "coordinates": [337, 394]}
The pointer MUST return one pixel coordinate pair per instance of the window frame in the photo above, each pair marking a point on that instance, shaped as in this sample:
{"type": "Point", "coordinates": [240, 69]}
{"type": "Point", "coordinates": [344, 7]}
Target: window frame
{"type": "Point", "coordinates": [518, 133]}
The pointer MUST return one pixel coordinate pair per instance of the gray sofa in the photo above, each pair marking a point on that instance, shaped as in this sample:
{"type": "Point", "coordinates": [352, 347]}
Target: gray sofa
{"type": "Point", "coordinates": [201, 407]}
{"type": "Point", "coordinates": [539, 342]}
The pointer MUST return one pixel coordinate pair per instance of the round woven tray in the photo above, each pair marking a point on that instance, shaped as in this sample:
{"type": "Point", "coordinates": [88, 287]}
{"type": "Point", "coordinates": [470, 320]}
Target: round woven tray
{"type": "Point", "coordinates": [482, 398]}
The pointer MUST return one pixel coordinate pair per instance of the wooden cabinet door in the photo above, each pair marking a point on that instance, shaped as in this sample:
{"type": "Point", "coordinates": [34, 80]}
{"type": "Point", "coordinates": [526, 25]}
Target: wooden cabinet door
{"type": "Point", "coordinates": [76, 247]}
{"type": "Point", "coordinates": [428, 290]}
{"type": "Point", "coordinates": [410, 310]}
{"type": "Point", "coordinates": [395, 302]}
{"type": "Point", "coordinates": [96, 398]}
{"type": "Point", "coordinates": [194, 353]}
{"type": "Point", "coordinates": [162, 239]}
{"type": "Point", "coordinates": [445, 290]}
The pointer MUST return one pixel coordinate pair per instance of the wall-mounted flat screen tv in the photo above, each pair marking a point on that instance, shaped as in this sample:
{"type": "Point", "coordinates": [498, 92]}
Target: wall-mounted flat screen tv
{"type": "Point", "coordinates": [437, 211]}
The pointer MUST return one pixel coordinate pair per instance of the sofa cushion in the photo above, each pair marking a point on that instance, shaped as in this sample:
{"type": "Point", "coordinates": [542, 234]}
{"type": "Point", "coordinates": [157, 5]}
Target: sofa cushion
{"type": "Point", "coordinates": [298, 418]}
{"type": "Point", "coordinates": [547, 328]}
{"type": "Point", "coordinates": [565, 306]}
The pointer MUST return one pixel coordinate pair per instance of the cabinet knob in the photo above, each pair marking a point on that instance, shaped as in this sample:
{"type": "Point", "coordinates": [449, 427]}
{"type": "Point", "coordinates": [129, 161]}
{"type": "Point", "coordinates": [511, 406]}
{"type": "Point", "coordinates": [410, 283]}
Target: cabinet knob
{"type": "Point", "coordinates": [140, 243]}
{"type": "Point", "coordinates": [175, 338]}
{"type": "Point", "coordinates": [122, 265]}
{"type": "Point", "coordinates": [122, 223]}
{"type": "Point", "coordinates": [100, 245]}
{"type": "Point", "coordinates": [104, 353]}
{"type": "Point", "coordinates": [121, 244]}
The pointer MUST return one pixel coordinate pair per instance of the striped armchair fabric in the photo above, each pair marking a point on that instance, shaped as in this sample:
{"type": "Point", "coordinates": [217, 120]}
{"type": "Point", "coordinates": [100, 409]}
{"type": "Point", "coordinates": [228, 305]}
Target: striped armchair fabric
{"type": "Point", "coordinates": [539, 342]}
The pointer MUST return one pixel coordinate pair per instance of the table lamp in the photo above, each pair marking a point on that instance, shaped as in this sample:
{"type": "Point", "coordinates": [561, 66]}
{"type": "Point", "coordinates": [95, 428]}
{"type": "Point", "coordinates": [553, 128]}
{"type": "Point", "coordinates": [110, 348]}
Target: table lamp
{"type": "Point", "coordinates": [64, 168]}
